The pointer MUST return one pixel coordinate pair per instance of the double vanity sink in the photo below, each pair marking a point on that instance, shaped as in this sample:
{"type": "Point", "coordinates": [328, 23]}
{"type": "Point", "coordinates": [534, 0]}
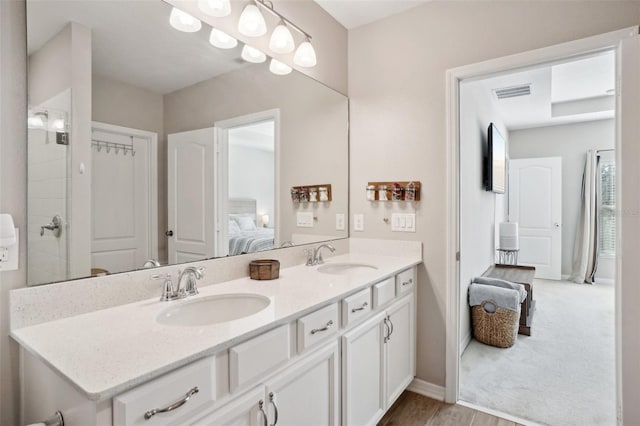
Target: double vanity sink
{"type": "Point", "coordinates": [229, 307]}
{"type": "Point", "coordinates": [111, 356]}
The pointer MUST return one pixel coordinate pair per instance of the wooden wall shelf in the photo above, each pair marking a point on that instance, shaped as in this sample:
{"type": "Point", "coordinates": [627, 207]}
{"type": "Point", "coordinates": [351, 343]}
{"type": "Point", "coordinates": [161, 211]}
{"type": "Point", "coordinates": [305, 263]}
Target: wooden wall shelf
{"type": "Point", "coordinates": [390, 185]}
{"type": "Point", "coordinates": [309, 188]}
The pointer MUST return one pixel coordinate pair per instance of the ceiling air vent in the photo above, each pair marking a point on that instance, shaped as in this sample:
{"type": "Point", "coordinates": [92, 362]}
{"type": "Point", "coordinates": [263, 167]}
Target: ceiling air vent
{"type": "Point", "coordinates": [513, 91]}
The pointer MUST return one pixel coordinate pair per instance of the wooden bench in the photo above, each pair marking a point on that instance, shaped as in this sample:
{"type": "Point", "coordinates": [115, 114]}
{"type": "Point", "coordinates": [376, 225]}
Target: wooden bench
{"type": "Point", "coordinates": [521, 275]}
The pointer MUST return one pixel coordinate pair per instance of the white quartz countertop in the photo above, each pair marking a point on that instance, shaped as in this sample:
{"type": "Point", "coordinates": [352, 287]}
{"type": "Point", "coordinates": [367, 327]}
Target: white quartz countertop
{"type": "Point", "coordinates": [106, 352]}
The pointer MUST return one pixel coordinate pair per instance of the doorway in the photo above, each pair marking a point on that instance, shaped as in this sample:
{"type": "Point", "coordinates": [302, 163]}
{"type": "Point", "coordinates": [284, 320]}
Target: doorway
{"type": "Point", "coordinates": [456, 77]}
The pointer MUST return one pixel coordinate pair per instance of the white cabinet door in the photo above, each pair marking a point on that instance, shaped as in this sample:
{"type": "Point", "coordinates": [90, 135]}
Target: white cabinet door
{"type": "Point", "coordinates": [246, 410]}
{"type": "Point", "coordinates": [400, 347]}
{"type": "Point", "coordinates": [363, 401]}
{"type": "Point", "coordinates": [307, 393]}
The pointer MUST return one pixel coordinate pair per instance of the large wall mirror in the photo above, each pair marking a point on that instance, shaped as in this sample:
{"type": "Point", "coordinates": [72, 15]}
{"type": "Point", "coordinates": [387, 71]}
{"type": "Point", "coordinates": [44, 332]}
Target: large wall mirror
{"type": "Point", "coordinates": [147, 143]}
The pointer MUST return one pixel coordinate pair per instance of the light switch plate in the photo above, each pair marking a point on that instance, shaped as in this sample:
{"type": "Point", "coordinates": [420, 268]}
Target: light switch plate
{"type": "Point", "coordinates": [340, 222]}
{"type": "Point", "coordinates": [304, 219]}
{"type": "Point", "coordinates": [9, 255]}
{"type": "Point", "coordinates": [403, 222]}
{"type": "Point", "coordinates": [358, 222]}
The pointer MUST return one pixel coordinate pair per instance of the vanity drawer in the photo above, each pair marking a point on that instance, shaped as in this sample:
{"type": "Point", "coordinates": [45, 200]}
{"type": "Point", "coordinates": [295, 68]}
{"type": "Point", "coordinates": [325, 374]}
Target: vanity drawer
{"type": "Point", "coordinates": [383, 292]}
{"type": "Point", "coordinates": [356, 307]}
{"type": "Point", "coordinates": [131, 407]}
{"type": "Point", "coordinates": [317, 326]}
{"type": "Point", "coordinates": [252, 359]}
{"type": "Point", "coordinates": [405, 281]}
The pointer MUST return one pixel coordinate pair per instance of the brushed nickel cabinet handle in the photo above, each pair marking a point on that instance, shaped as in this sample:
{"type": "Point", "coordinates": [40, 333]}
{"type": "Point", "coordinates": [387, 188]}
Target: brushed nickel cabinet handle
{"type": "Point", "coordinates": [173, 406]}
{"type": "Point", "coordinates": [325, 328]}
{"type": "Point", "coordinates": [386, 336]}
{"type": "Point", "coordinates": [361, 308]}
{"type": "Point", "coordinates": [275, 408]}
{"type": "Point", "coordinates": [408, 282]}
{"type": "Point", "coordinates": [265, 422]}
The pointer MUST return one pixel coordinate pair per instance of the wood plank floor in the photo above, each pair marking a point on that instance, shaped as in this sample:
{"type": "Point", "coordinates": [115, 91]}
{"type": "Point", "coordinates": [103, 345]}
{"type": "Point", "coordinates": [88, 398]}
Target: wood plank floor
{"type": "Point", "coordinates": [413, 409]}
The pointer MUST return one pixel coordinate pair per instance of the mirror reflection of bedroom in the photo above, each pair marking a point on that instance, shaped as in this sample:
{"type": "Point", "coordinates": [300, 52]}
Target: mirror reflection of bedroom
{"type": "Point", "coordinates": [546, 223]}
{"type": "Point", "coordinates": [251, 187]}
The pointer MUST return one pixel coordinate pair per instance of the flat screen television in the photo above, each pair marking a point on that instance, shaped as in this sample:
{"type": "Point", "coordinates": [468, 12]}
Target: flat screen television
{"type": "Point", "coordinates": [495, 166]}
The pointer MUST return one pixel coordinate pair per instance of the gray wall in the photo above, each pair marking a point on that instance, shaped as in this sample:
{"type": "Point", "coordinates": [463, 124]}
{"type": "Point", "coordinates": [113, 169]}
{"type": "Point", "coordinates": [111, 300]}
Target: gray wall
{"type": "Point", "coordinates": [570, 142]}
{"type": "Point", "coordinates": [398, 110]}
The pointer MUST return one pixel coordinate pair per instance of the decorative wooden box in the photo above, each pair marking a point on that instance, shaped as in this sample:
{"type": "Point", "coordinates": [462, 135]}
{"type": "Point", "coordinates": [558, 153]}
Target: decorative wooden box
{"type": "Point", "coordinates": [265, 269]}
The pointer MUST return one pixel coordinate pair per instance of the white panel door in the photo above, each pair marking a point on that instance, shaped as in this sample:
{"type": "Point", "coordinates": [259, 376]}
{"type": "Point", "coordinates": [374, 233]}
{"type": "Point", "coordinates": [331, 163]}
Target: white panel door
{"type": "Point", "coordinates": [535, 202]}
{"type": "Point", "coordinates": [191, 157]}
{"type": "Point", "coordinates": [400, 348]}
{"type": "Point", "coordinates": [121, 202]}
{"type": "Point", "coordinates": [307, 393]}
{"type": "Point", "coordinates": [363, 400]}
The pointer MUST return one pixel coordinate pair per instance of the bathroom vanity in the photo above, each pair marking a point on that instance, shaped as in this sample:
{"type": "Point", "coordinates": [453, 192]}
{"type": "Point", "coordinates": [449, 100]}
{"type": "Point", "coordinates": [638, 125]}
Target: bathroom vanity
{"type": "Point", "coordinates": [329, 344]}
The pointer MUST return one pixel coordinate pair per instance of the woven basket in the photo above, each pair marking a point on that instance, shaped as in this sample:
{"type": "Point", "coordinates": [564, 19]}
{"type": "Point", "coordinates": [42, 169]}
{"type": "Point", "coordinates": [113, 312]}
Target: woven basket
{"type": "Point", "coordinates": [499, 328]}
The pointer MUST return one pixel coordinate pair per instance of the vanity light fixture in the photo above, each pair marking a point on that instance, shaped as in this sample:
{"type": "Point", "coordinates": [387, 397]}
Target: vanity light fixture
{"type": "Point", "coordinates": [251, 22]}
{"type": "Point", "coordinates": [222, 40]}
{"type": "Point", "coordinates": [58, 124]}
{"type": "Point", "coordinates": [37, 120]}
{"type": "Point", "coordinates": [217, 8]}
{"type": "Point", "coordinates": [279, 68]}
{"type": "Point", "coordinates": [305, 55]}
{"type": "Point", "coordinates": [281, 39]}
{"type": "Point", "coordinates": [251, 54]}
{"type": "Point", "coordinates": [182, 21]}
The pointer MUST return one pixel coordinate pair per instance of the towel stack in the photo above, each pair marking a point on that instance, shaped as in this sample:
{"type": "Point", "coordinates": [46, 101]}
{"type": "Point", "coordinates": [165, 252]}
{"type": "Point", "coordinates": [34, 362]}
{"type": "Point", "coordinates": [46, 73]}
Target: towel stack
{"type": "Point", "coordinates": [505, 294]}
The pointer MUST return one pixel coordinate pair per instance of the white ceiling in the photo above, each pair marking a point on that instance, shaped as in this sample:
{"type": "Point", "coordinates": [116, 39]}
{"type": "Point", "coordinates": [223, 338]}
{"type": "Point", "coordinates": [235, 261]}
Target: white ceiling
{"type": "Point", "coordinates": [354, 13]}
{"type": "Point", "coordinates": [568, 92]}
{"type": "Point", "coordinates": [134, 42]}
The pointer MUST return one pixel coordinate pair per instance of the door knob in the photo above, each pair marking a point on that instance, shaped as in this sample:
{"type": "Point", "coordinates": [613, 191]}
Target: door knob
{"type": "Point", "coordinates": [169, 233]}
{"type": "Point", "coordinates": [557, 225]}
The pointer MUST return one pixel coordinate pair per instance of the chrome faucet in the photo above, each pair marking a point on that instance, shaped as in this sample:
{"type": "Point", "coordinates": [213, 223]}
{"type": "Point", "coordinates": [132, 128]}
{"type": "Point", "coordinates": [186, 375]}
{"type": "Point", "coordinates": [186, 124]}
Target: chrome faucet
{"type": "Point", "coordinates": [190, 275]}
{"type": "Point", "coordinates": [316, 256]}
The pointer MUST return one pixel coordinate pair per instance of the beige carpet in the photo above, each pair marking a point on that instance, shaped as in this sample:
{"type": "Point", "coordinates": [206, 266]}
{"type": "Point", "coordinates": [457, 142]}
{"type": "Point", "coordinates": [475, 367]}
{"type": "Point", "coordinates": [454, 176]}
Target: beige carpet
{"type": "Point", "coordinates": [564, 373]}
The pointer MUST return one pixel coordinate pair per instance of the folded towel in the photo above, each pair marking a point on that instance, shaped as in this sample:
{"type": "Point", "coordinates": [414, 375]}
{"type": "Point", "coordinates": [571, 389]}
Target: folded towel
{"type": "Point", "coordinates": [504, 284]}
{"type": "Point", "coordinates": [506, 298]}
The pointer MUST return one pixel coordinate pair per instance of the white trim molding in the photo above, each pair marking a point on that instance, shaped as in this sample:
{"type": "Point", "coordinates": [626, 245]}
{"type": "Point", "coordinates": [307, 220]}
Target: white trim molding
{"type": "Point", "coordinates": [560, 52]}
{"type": "Point", "coordinates": [427, 389]}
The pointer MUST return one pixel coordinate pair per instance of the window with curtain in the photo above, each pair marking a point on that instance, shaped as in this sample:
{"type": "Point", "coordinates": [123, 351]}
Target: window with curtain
{"type": "Point", "coordinates": [607, 207]}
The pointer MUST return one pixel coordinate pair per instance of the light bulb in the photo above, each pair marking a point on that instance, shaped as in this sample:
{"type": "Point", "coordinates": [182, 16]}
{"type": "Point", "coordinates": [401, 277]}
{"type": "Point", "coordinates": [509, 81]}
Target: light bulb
{"type": "Point", "coordinates": [305, 55]}
{"type": "Point", "coordinates": [182, 21]}
{"type": "Point", "coordinates": [218, 8]}
{"type": "Point", "coordinates": [251, 22]}
{"type": "Point", "coordinates": [35, 122]}
{"type": "Point", "coordinates": [281, 39]}
{"type": "Point", "coordinates": [251, 54]}
{"type": "Point", "coordinates": [222, 40]}
{"type": "Point", "coordinates": [279, 68]}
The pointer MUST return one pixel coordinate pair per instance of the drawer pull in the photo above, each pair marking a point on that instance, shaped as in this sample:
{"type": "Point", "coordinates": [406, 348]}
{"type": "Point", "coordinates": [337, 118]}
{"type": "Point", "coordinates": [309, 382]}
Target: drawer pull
{"type": "Point", "coordinates": [264, 415]}
{"type": "Point", "coordinates": [325, 328]}
{"type": "Point", "coordinates": [275, 409]}
{"type": "Point", "coordinates": [173, 406]}
{"type": "Point", "coordinates": [408, 282]}
{"type": "Point", "coordinates": [361, 308]}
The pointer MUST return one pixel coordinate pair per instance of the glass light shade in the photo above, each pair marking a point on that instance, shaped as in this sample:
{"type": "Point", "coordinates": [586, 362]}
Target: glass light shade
{"type": "Point", "coordinates": [281, 40]}
{"type": "Point", "coordinates": [35, 122]}
{"type": "Point", "coordinates": [58, 124]}
{"type": "Point", "coordinates": [182, 21]}
{"type": "Point", "coordinates": [222, 40]}
{"type": "Point", "coordinates": [251, 54]}
{"type": "Point", "coordinates": [279, 68]}
{"type": "Point", "coordinates": [218, 8]}
{"type": "Point", "coordinates": [251, 22]}
{"type": "Point", "coordinates": [305, 55]}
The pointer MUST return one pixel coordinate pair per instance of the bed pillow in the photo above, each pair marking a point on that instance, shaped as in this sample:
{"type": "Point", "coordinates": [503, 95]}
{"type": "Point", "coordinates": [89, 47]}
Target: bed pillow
{"type": "Point", "coordinates": [233, 227]}
{"type": "Point", "coordinates": [246, 223]}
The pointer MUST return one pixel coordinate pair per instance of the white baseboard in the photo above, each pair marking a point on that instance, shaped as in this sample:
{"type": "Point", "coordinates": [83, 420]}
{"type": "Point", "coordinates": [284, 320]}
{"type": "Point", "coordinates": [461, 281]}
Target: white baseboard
{"type": "Point", "coordinates": [565, 277]}
{"type": "Point", "coordinates": [607, 281]}
{"type": "Point", "coordinates": [427, 389]}
{"type": "Point", "coordinates": [465, 342]}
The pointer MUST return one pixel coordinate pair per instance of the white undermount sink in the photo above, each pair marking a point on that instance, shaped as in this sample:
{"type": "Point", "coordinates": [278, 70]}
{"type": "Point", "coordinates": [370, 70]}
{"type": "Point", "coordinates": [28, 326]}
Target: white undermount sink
{"type": "Point", "coordinates": [341, 268]}
{"type": "Point", "coordinates": [213, 309]}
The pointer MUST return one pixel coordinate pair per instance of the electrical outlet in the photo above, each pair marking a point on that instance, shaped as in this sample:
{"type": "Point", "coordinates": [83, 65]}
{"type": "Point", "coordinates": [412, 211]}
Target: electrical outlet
{"type": "Point", "coordinates": [9, 255]}
{"type": "Point", "coordinates": [340, 222]}
{"type": "Point", "coordinates": [358, 222]}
